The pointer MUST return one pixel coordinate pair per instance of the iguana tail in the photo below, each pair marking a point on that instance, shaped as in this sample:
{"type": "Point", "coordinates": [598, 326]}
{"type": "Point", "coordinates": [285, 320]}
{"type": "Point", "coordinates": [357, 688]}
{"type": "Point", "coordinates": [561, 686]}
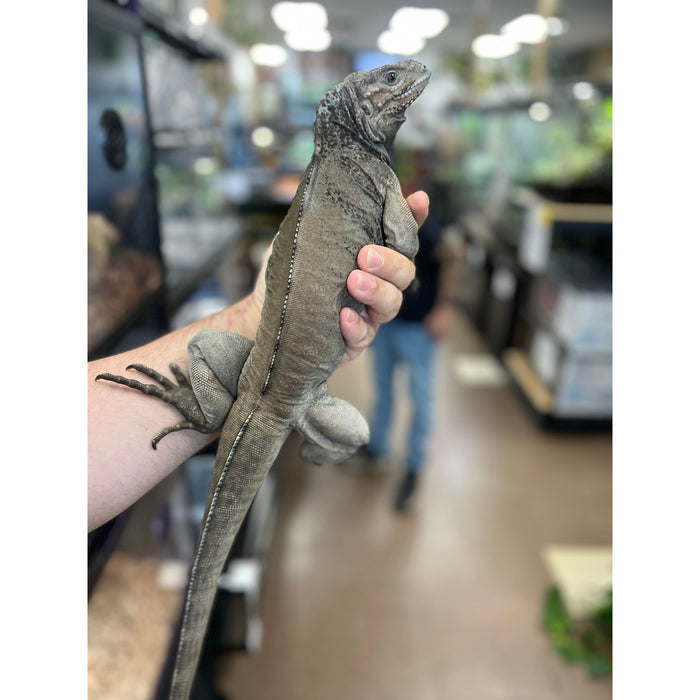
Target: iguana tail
{"type": "Point", "coordinates": [242, 462]}
{"type": "Point", "coordinates": [333, 430]}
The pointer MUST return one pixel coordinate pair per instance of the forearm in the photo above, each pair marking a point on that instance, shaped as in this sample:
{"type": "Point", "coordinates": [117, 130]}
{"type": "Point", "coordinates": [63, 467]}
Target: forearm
{"type": "Point", "coordinates": [122, 465]}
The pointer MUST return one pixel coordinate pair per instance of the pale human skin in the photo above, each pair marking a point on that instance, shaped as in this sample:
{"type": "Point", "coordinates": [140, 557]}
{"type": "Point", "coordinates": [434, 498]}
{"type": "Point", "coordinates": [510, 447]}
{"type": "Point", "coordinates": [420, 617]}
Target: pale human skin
{"type": "Point", "coordinates": [122, 465]}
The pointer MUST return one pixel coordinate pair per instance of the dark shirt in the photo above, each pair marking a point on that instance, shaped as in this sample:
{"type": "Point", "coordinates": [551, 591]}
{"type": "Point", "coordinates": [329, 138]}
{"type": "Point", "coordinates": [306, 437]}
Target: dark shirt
{"type": "Point", "coordinates": [421, 295]}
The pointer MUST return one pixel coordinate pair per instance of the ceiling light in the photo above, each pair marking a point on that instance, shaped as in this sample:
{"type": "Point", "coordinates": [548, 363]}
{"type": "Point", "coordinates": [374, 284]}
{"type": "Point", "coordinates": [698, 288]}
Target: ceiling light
{"type": "Point", "coordinates": [263, 137]}
{"type": "Point", "coordinates": [394, 42]}
{"type": "Point", "coordinates": [205, 166]}
{"type": "Point", "coordinates": [494, 46]}
{"type": "Point", "coordinates": [308, 39]}
{"type": "Point", "coordinates": [539, 111]}
{"type": "Point", "coordinates": [270, 55]}
{"type": "Point", "coordinates": [583, 91]}
{"type": "Point", "coordinates": [198, 16]}
{"type": "Point", "coordinates": [526, 29]}
{"type": "Point", "coordinates": [293, 16]}
{"type": "Point", "coordinates": [419, 21]}
{"type": "Point", "coordinates": [557, 26]}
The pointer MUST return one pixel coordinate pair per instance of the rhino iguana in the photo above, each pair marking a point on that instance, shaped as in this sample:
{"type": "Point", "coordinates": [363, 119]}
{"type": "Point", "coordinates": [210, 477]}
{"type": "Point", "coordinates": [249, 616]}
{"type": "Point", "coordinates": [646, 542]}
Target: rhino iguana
{"type": "Point", "coordinates": [261, 391]}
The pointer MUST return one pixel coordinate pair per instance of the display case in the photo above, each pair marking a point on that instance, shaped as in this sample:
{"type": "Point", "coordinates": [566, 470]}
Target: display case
{"type": "Point", "coordinates": [540, 291]}
{"type": "Point", "coordinates": [125, 267]}
{"type": "Point", "coordinates": [534, 201]}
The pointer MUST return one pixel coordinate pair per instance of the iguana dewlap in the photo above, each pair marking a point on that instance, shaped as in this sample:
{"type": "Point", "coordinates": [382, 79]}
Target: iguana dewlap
{"type": "Point", "coordinates": [259, 392]}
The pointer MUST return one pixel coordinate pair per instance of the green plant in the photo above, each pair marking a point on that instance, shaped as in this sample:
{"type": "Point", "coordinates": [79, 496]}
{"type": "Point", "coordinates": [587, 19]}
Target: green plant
{"type": "Point", "coordinates": [588, 642]}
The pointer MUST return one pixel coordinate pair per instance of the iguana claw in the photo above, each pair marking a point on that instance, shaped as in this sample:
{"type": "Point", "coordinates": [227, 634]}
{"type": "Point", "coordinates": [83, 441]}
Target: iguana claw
{"type": "Point", "coordinates": [180, 395]}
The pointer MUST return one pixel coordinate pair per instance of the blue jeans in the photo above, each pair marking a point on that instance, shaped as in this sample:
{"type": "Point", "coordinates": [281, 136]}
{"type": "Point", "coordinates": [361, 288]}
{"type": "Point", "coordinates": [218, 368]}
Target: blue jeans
{"type": "Point", "coordinates": [403, 342]}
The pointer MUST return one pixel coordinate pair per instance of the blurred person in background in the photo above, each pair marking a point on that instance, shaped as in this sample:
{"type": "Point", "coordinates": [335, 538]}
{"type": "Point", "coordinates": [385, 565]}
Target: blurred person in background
{"type": "Point", "coordinates": [425, 318]}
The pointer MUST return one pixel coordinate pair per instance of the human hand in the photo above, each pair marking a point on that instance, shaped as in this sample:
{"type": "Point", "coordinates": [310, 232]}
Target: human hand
{"type": "Point", "coordinates": [382, 276]}
{"type": "Point", "coordinates": [440, 320]}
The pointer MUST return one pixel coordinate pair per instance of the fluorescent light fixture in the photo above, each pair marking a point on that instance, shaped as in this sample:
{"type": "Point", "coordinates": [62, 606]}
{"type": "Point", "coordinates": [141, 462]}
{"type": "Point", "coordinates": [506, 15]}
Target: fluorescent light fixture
{"type": "Point", "coordinates": [271, 55]}
{"type": "Point", "coordinates": [262, 137]}
{"type": "Point", "coordinates": [526, 29]}
{"type": "Point", "coordinates": [205, 166]}
{"type": "Point", "coordinates": [395, 42]}
{"type": "Point", "coordinates": [198, 16]}
{"type": "Point", "coordinates": [419, 21]}
{"type": "Point", "coordinates": [308, 39]}
{"type": "Point", "coordinates": [583, 91]}
{"type": "Point", "coordinates": [540, 111]}
{"type": "Point", "coordinates": [494, 46]}
{"type": "Point", "coordinates": [557, 26]}
{"type": "Point", "coordinates": [296, 16]}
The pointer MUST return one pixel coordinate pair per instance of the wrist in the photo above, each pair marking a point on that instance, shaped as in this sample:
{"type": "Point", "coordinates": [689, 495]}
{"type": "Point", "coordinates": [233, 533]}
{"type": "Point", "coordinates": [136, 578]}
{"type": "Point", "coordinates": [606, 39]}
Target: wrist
{"type": "Point", "coordinates": [242, 317]}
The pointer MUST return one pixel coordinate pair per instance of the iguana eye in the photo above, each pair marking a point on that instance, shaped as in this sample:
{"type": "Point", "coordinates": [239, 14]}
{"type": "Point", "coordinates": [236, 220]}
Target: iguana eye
{"type": "Point", "coordinates": [391, 77]}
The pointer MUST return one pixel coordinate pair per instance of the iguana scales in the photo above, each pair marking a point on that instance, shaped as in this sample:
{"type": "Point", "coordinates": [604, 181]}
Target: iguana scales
{"type": "Point", "coordinates": [259, 392]}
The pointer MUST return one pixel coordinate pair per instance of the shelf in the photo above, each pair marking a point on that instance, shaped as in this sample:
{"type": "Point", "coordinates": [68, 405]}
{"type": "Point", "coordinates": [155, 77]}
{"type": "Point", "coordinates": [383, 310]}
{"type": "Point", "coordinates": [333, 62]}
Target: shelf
{"type": "Point", "coordinates": [175, 139]}
{"type": "Point", "coordinates": [529, 318]}
{"type": "Point", "coordinates": [149, 303]}
{"type": "Point", "coordinates": [131, 617]}
{"type": "Point", "coordinates": [175, 34]}
{"type": "Point", "coordinates": [540, 398]}
{"type": "Point", "coordinates": [578, 212]}
{"type": "Point", "coordinates": [535, 391]}
{"type": "Point", "coordinates": [192, 250]}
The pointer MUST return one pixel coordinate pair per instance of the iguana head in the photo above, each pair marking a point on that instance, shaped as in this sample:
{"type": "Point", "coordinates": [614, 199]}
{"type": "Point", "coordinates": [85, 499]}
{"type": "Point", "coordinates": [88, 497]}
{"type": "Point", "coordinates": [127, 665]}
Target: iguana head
{"type": "Point", "coordinates": [370, 106]}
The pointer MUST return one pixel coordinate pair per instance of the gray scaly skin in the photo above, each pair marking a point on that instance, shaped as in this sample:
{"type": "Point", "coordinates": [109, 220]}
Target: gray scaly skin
{"type": "Point", "coordinates": [348, 197]}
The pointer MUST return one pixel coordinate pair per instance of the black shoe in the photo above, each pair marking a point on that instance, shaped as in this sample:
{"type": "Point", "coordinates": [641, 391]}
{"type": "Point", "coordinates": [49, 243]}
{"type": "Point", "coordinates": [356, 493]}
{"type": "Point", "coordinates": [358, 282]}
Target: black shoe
{"type": "Point", "coordinates": [405, 496]}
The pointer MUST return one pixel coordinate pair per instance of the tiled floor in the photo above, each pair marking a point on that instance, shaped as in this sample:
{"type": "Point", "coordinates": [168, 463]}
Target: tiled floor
{"type": "Point", "coordinates": [444, 604]}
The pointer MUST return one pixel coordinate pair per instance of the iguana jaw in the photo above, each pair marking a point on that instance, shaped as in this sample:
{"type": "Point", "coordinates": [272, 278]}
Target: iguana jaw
{"type": "Point", "coordinates": [413, 92]}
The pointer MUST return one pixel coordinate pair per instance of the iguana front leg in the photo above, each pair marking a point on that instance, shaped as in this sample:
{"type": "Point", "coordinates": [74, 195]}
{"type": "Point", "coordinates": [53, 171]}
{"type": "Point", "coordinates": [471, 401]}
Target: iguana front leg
{"type": "Point", "coordinates": [398, 223]}
{"type": "Point", "coordinates": [216, 360]}
{"type": "Point", "coordinates": [180, 395]}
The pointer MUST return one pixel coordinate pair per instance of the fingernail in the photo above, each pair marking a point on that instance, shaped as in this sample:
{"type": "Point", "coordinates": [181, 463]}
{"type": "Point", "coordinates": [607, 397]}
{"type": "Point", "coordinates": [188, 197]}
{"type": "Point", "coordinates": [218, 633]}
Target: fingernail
{"type": "Point", "coordinates": [350, 315]}
{"type": "Point", "coordinates": [374, 259]}
{"type": "Point", "coordinates": [365, 283]}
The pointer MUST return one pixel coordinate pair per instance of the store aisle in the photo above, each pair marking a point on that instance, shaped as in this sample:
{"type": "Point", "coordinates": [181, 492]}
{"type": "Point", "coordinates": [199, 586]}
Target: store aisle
{"type": "Point", "coordinates": [445, 604]}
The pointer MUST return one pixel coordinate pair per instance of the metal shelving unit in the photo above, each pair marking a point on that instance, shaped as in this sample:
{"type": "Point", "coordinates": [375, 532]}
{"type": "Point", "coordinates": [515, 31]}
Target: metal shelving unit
{"type": "Point", "coordinates": [557, 254]}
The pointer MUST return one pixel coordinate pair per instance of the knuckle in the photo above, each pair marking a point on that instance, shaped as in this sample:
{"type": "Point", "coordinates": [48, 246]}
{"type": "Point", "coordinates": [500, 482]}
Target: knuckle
{"type": "Point", "coordinates": [401, 271]}
{"type": "Point", "coordinates": [396, 302]}
{"type": "Point", "coordinates": [387, 304]}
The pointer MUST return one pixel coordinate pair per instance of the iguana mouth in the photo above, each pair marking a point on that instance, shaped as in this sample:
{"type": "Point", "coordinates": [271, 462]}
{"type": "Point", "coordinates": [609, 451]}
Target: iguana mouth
{"type": "Point", "coordinates": [414, 91]}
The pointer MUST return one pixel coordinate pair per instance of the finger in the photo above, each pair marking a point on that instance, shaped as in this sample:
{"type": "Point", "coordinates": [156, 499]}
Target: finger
{"type": "Point", "coordinates": [419, 204]}
{"type": "Point", "coordinates": [358, 333]}
{"type": "Point", "coordinates": [387, 264]}
{"type": "Point", "coordinates": [381, 298]}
